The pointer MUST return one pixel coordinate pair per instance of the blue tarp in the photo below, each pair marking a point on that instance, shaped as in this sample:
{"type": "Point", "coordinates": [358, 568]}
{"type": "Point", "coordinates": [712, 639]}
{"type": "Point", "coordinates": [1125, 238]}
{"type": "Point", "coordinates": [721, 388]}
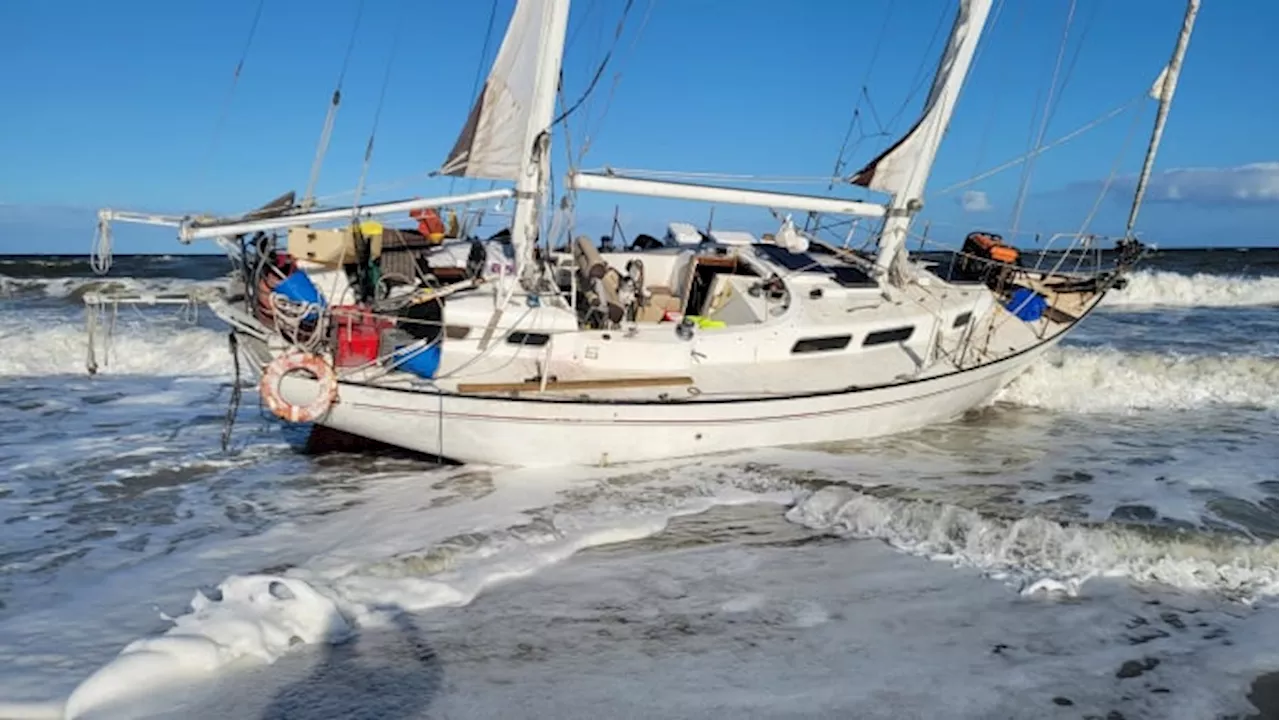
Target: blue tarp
{"type": "Point", "coordinates": [416, 359]}
{"type": "Point", "coordinates": [1026, 304]}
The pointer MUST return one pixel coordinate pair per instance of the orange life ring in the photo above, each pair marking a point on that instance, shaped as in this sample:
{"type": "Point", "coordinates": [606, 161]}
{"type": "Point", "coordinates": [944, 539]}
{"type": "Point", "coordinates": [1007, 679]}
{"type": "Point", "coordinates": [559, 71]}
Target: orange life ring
{"type": "Point", "coordinates": [275, 372]}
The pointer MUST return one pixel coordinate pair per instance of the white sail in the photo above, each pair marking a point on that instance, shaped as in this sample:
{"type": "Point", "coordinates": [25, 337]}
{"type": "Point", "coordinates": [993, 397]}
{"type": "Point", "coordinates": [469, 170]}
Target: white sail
{"type": "Point", "coordinates": [492, 143]}
{"type": "Point", "coordinates": [904, 167]}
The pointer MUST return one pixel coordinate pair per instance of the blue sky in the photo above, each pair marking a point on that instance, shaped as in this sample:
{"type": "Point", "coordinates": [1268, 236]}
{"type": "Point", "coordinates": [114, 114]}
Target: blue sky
{"type": "Point", "coordinates": [120, 103]}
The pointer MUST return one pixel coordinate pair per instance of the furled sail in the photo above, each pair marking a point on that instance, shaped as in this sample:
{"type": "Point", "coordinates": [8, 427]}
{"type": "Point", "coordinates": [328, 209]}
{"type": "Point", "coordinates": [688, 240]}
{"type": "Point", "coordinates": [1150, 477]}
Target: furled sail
{"type": "Point", "coordinates": [492, 141]}
{"type": "Point", "coordinates": [1162, 90]}
{"type": "Point", "coordinates": [903, 168]}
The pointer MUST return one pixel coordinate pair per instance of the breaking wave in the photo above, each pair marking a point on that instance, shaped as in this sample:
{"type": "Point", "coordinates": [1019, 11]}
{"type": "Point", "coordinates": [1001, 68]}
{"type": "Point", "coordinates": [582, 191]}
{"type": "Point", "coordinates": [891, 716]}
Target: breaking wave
{"type": "Point", "coordinates": [1106, 380]}
{"type": "Point", "coordinates": [61, 348]}
{"type": "Point", "coordinates": [1041, 552]}
{"type": "Point", "coordinates": [1170, 289]}
{"type": "Point", "coordinates": [74, 288]}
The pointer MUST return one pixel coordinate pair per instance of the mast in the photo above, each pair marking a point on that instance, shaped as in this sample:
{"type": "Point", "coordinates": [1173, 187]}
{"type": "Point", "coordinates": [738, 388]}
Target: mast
{"type": "Point", "coordinates": [903, 169]}
{"type": "Point", "coordinates": [1162, 91]}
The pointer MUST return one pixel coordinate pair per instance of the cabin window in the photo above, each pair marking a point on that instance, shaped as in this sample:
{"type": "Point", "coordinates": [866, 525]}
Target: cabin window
{"type": "Point", "coordinates": [892, 335]}
{"type": "Point", "coordinates": [457, 332]}
{"type": "Point", "coordinates": [961, 320]}
{"type": "Point", "coordinates": [528, 338]}
{"type": "Point", "coordinates": [821, 344]}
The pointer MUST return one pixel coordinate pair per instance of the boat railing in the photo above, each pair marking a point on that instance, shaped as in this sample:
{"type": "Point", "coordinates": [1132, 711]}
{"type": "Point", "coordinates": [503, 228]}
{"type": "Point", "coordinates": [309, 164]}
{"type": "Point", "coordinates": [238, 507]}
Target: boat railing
{"type": "Point", "coordinates": [102, 315]}
{"type": "Point", "coordinates": [1069, 262]}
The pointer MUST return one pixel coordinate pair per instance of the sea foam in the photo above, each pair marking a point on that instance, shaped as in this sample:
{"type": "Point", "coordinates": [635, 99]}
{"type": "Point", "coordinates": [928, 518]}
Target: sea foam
{"type": "Point", "coordinates": [1033, 549]}
{"type": "Point", "coordinates": [36, 347]}
{"type": "Point", "coordinates": [1170, 289]}
{"type": "Point", "coordinates": [1107, 380]}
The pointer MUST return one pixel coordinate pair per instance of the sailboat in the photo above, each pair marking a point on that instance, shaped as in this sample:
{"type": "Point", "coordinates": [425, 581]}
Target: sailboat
{"type": "Point", "coordinates": [704, 342]}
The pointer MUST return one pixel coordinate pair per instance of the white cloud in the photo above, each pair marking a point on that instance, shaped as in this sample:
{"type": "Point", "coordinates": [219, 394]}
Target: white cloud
{"type": "Point", "coordinates": [974, 201]}
{"type": "Point", "coordinates": [1252, 184]}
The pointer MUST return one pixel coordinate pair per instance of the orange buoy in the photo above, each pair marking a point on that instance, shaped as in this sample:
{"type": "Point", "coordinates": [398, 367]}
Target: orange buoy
{"type": "Point", "coordinates": [315, 365]}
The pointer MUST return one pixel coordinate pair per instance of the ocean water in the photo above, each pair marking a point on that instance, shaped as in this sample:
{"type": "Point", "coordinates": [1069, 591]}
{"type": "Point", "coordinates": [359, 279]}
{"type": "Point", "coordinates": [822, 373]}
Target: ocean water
{"type": "Point", "coordinates": [1100, 541]}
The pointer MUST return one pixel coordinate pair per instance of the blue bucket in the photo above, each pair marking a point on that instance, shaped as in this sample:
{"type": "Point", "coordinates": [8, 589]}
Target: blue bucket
{"type": "Point", "coordinates": [299, 288]}
{"type": "Point", "coordinates": [418, 360]}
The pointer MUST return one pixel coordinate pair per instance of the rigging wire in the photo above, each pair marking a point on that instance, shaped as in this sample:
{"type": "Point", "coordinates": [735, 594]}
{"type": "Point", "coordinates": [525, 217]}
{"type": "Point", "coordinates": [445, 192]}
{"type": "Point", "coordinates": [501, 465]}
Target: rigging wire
{"type": "Point", "coordinates": [1001, 85]}
{"type": "Point", "coordinates": [549, 196]}
{"type": "Point", "coordinates": [590, 127]}
{"type": "Point", "coordinates": [991, 23]}
{"type": "Point", "coordinates": [1106, 187]}
{"type": "Point", "coordinates": [570, 195]}
{"type": "Point", "coordinates": [484, 49]}
{"type": "Point", "coordinates": [582, 22]}
{"type": "Point", "coordinates": [231, 91]}
{"type": "Point", "coordinates": [373, 133]}
{"type": "Point", "coordinates": [617, 34]}
{"type": "Point", "coordinates": [1071, 64]}
{"type": "Point", "coordinates": [1115, 168]}
{"type": "Point", "coordinates": [921, 74]}
{"type": "Point", "coordinates": [687, 175]}
{"type": "Point", "coordinates": [1044, 121]}
{"type": "Point", "coordinates": [862, 93]}
{"type": "Point", "coordinates": [568, 136]}
{"type": "Point", "coordinates": [596, 48]}
{"type": "Point", "coordinates": [475, 83]}
{"type": "Point", "coordinates": [1046, 147]}
{"type": "Point", "coordinates": [377, 116]}
{"type": "Point", "coordinates": [321, 200]}
{"type": "Point", "coordinates": [882, 129]}
{"type": "Point", "coordinates": [308, 199]}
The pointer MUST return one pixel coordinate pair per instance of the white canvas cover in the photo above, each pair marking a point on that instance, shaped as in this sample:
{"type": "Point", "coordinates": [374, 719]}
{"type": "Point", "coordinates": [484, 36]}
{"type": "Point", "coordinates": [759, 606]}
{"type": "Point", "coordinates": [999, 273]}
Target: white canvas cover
{"type": "Point", "coordinates": [683, 233]}
{"type": "Point", "coordinates": [733, 237]}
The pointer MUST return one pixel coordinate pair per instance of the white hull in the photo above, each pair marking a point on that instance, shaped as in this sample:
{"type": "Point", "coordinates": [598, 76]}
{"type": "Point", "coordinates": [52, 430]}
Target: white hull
{"type": "Point", "coordinates": [533, 432]}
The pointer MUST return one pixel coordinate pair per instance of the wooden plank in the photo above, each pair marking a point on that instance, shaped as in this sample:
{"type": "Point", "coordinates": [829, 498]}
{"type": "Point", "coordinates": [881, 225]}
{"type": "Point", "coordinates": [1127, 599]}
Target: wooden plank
{"type": "Point", "coordinates": [601, 384]}
{"type": "Point", "coordinates": [1059, 316]}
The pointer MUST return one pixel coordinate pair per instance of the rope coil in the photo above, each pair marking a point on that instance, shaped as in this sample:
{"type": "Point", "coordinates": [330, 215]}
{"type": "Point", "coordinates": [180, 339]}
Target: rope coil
{"type": "Point", "coordinates": [100, 255]}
